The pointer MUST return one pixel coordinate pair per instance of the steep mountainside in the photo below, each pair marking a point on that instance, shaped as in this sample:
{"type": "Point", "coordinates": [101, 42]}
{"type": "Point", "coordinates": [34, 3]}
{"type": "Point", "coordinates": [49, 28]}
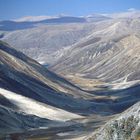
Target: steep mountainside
{"type": "Point", "coordinates": [39, 37]}
{"type": "Point", "coordinates": [35, 99]}
{"type": "Point", "coordinates": [31, 96]}
{"type": "Point", "coordinates": [47, 37]}
{"type": "Point", "coordinates": [42, 41]}
{"type": "Point", "coordinates": [110, 54]}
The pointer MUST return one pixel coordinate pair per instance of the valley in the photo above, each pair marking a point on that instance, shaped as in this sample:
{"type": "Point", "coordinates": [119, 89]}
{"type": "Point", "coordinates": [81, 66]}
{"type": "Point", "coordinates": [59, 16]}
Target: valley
{"type": "Point", "coordinates": [70, 78]}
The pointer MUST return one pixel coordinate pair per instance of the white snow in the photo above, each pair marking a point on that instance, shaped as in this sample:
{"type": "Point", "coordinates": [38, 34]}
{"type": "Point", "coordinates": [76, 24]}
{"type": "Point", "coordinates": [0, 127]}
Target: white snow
{"type": "Point", "coordinates": [30, 106]}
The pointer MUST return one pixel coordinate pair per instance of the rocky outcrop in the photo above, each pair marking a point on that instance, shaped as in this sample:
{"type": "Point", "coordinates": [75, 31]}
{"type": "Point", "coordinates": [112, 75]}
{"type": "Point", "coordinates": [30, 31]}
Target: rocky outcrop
{"type": "Point", "coordinates": [125, 126]}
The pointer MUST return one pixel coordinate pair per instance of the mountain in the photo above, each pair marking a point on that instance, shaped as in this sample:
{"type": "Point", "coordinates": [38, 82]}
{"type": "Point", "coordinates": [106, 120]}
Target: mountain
{"type": "Point", "coordinates": [110, 54]}
{"type": "Point", "coordinates": [97, 17]}
{"type": "Point", "coordinates": [33, 18]}
{"type": "Point", "coordinates": [31, 96]}
{"type": "Point", "coordinates": [89, 79]}
{"type": "Point", "coordinates": [44, 36]}
{"type": "Point", "coordinates": [33, 21]}
{"type": "Point", "coordinates": [12, 25]}
{"type": "Point", "coordinates": [9, 25]}
{"type": "Point", "coordinates": [89, 18]}
{"type": "Point", "coordinates": [47, 38]}
{"type": "Point", "coordinates": [130, 13]}
{"type": "Point", "coordinates": [42, 41]}
{"type": "Point", "coordinates": [37, 103]}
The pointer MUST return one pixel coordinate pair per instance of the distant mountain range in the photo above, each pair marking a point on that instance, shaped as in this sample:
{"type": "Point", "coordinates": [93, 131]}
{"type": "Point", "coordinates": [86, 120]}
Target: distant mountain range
{"type": "Point", "coordinates": [45, 37]}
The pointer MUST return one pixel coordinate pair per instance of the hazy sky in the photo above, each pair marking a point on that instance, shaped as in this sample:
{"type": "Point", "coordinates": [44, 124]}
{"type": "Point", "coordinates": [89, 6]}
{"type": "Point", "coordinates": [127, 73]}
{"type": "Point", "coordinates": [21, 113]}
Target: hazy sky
{"type": "Point", "coordinates": [10, 9]}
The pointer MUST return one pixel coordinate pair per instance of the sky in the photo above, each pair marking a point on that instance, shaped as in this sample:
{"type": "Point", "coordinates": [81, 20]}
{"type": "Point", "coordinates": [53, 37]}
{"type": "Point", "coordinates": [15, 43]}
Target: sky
{"type": "Point", "coordinates": [12, 9]}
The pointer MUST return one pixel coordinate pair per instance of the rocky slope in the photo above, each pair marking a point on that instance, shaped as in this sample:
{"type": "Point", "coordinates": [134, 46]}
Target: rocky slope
{"type": "Point", "coordinates": [125, 126]}
{"type": "Point", "coordinates": [46, 37]}
{"type": "Point", "coordinates": [39, 38]}
{"type": "Point", "coordinates": [110, 54]}
{"type": "Point", "coordinates": [35, 99]}
{"type": "Point", "coordinates": [42, 41]}
{"type": "Point", "coordinates": [31, 96]}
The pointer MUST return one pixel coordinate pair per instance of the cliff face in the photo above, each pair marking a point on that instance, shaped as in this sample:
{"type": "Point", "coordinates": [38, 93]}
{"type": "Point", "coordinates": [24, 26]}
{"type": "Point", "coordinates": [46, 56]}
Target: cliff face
{"type": "Point", "coordinates": [125, 126]}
